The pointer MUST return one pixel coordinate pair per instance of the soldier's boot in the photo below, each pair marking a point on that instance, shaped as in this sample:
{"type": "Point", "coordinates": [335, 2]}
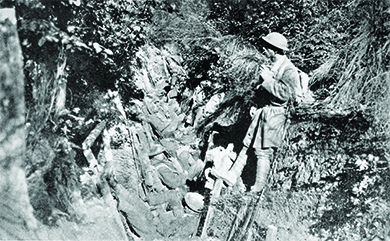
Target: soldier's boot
{"type": "Point", "coordinates": [230, 177]}
{"type": "Point", "coordinates": [264, 156]}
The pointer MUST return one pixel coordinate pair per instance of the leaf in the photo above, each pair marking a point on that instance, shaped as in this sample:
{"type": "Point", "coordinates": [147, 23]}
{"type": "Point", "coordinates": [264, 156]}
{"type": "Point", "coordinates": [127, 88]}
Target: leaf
{"type": "Point", "coordinates": [33, 26]}
{"type": "Point", "coordinates": [75, 2]}
{"type": "Point", "coordinates": [81, 44]}
{"type": "Point", "coordinates": [71, 29]}
{"type": "Point", "coordinates": [97, 47]}
{"type": "Point", "coordinates": [108, 51]}
{"type": "Point", "coordinates": [65, 40]}
{"type": "Point", "coordinates": [41, 41]}
{"type": "Point", "coordinates": [51, 38]}
{"type": "Point", "coordinates": [361, 164]}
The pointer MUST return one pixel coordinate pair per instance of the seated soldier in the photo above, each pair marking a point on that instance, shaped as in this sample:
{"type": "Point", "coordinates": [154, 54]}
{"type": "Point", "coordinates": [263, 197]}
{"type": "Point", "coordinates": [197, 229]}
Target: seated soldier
{"type": "Point", "coordinates": [165, 179]}
{"type": "Point", "coordinates": [149, 225]}
{"type": "Point", "coordinates": [175, 172]}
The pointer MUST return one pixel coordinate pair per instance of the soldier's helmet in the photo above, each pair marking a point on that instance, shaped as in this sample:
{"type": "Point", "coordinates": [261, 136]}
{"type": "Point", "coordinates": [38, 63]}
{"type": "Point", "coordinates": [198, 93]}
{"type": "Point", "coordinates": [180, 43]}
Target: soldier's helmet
{"type": "Point", "coordinates": [277, 40]}
{"type": "Point", "coordinates": [194, 201]}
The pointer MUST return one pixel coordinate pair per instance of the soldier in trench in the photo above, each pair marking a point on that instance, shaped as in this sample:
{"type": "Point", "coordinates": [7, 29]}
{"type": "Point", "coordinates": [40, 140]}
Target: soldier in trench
{"type": "Point", "coordinates": [270, 117]}
{"type": "Point", "coordinates": [166, 178]}
{"type": "Point", "coordinates": [157, 210]}
{"type": "Point", "coordinates": [151, 220]}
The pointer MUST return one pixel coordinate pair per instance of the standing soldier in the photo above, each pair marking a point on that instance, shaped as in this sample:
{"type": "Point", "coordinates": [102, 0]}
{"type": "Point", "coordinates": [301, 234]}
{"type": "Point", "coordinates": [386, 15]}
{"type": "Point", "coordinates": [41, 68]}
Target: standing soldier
{"type": "Point", "coordinates": [269, 119]}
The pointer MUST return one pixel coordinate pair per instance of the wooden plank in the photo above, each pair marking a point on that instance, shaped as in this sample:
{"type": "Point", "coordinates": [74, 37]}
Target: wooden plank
{"type": "Point", "coordinates": [256, 209]}
{"type": "Point", "coordinates": [242, 234]}
{"type": "Point", "coordinates": [245, 232]}
{"type": "Point", "coordinates": [88, 142]}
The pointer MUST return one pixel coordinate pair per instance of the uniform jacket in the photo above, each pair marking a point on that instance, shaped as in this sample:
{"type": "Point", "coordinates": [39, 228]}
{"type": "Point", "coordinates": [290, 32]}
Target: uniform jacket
{"type": "Point", "coordinates": [269, 123]}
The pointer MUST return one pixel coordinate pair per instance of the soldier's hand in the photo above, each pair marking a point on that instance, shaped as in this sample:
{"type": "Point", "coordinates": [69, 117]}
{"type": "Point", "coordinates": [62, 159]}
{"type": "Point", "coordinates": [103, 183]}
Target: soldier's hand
{"type": "Point", "coordinates": [266, 73]}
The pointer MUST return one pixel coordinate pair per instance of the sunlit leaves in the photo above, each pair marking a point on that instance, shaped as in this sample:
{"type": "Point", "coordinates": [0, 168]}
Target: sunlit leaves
{"type": "Point", "coordinates": [75, 2]}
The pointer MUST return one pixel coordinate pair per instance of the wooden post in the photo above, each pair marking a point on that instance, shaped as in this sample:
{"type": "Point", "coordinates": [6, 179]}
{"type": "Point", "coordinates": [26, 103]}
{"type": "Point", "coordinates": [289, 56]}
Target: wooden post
{"type": "Point", "coordinates": [16, 215]}
{"type": "Point", "coordinates": [245, 232]}
{"type": "Point", "coordinates": [88, 142]}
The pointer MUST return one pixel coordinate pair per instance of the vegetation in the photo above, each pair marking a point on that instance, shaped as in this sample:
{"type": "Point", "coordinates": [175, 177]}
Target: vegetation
{"type": "Point", "coordinates": [331, 177]}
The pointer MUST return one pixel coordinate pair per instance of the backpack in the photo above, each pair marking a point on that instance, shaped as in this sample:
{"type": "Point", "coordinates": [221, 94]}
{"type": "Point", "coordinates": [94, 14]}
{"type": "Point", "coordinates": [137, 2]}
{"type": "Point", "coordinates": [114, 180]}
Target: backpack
{"type": "Point", "coordinates": [302, 93]}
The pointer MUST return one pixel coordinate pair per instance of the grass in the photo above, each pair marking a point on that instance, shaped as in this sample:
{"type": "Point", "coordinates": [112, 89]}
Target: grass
{"type": "Point", "coordinates": [361, 69]}
{"type": "Point", "coordinates": [300, 215]}
{"type": "Point", "coordinates": [290, 212]}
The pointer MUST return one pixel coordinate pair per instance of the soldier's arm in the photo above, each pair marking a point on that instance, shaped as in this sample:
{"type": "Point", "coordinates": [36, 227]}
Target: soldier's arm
{"type": "Point", "coordinates": [282, 89]}
{"type": "Point", "coordinates": [171, 178]}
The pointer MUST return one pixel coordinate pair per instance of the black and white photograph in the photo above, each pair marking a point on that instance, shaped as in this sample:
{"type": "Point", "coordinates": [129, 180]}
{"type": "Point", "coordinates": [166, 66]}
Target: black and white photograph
{"type": "Point", "coordinates": [195, 120]}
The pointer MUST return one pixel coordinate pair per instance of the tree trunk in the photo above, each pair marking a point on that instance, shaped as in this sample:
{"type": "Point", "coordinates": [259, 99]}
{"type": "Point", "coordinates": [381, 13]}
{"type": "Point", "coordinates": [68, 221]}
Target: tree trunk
{"type": "Point", "coordinates": [60, 83]}
{"type": "Point", "coordinates": [61, 96]}
{"type": "Point", "coordinates": [16, 212]}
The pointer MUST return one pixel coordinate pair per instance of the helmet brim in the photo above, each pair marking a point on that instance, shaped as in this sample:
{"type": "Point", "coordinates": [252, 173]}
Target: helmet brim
{"type": "Point", "coordinates": [278, 47]}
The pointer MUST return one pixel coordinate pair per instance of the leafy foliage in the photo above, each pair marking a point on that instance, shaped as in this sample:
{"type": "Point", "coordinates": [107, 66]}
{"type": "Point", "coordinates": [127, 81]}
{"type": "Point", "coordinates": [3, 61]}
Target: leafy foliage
{"type": "Point", "coordinates": [359, 73]}
{"type": "Point", "coordinates": [189, 29]}
{"type": "Point", "coordinates": [89, 46]}
{"type": "Point", "coordinates": [315, 29]}
{"type": "Point", "coordinates": [83, 48]}
{"type": "Point", "coordinates": [99, 39]}
{"type": "Point", "coordinates": [339, 158]}
{"type": "Point", "coordinates": [113, 30]}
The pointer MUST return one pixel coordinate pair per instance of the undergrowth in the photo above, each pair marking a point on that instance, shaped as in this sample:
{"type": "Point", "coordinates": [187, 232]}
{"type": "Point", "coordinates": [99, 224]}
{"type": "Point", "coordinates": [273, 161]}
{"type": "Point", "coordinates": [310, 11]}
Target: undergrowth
{"type": "Point", "coordinates": [329, 182]}
{"type": "Point", "coordinates": [357, 76]}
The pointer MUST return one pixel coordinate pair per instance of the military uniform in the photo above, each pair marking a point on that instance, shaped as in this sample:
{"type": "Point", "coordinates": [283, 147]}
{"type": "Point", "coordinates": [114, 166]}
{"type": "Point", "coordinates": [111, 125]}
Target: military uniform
{"type": "Point", "coordinates": [269, 122]}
